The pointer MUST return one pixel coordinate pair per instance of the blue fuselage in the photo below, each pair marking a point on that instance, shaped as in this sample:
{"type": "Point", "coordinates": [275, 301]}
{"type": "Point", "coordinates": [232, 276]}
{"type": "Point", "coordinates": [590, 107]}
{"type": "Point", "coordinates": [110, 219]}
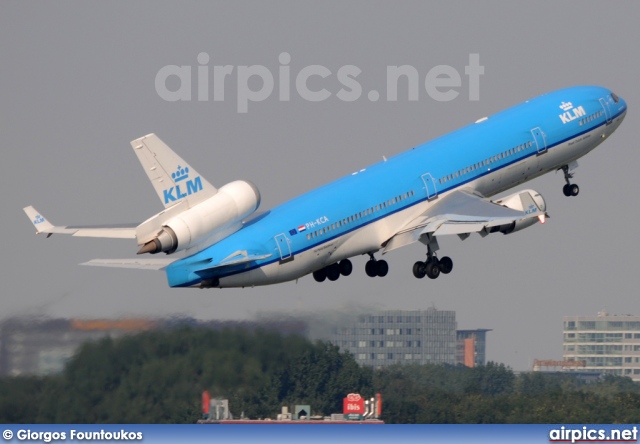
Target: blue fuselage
{"type": "Point", "coordinates": [358, 213]}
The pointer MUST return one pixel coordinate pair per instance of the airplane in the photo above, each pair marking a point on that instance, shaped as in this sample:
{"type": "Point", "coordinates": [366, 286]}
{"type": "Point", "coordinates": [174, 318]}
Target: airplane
{"type": "Point", "coordinates": [442, 187]}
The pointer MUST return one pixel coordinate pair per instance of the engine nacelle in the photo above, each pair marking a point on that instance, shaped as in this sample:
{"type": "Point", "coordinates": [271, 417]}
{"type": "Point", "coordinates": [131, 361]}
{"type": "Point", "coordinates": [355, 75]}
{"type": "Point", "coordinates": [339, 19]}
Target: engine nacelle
{"type": "Point", "coordinates": [221, 213]}
{"type": "Point", "coordinates": [516, 226]}
{"type": "Point", "coordinates": [527, 201]}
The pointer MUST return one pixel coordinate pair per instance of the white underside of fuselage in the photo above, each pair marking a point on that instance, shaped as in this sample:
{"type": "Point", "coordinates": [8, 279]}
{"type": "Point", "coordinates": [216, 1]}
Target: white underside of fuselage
{"type": "Point", "coordinates": [369, 238]}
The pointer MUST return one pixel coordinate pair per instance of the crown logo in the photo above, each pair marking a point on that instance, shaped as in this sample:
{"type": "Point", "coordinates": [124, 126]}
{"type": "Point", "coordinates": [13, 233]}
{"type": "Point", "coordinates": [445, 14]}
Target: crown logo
{"type": "Point", "coordinates": [180, 174]}
{"type": "Point", "coordinates": [566, 106]}
{"type": "Point", "coordinates": [38, 220]}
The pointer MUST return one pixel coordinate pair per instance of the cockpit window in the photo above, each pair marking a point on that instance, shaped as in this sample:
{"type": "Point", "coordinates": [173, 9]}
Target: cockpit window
{"type": "Point", "coordinates": [615, 98]}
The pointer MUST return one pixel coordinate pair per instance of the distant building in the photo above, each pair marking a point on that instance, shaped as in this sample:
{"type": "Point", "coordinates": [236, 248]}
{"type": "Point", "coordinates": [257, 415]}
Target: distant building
{"type": "Point", "coordinates": [398, 336]}
{"type": "Point", "coordinates": [607, 344]}
{"type": "Point", "coordinates": [40, 347]}
{"type": "Point", "coordinates": [471, 347]}
{"type": "Point", "coordinates": [43, 346]}
{"type": "Point", "coordinates": [388, 337]}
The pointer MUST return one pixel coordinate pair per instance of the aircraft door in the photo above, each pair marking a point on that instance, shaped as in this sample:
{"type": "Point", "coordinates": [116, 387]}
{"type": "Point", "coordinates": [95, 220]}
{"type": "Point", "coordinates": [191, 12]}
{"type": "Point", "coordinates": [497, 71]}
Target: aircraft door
{"type": "Point", "coordinates": [284, 247]}
{"type": "Point", "coordinates": [539, 137]}
{"type": "Point", "coordinates": [607, 110]}
{"type": "Point", "coordinates": [430, 186]}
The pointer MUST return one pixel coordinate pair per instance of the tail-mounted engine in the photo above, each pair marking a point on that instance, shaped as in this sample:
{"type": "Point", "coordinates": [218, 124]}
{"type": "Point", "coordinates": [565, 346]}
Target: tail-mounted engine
{"type": "Point", "coordinates": [221, 213]}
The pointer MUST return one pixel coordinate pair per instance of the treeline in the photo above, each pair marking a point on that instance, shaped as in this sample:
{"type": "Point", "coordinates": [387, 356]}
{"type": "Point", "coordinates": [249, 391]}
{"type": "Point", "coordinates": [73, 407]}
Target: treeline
{"type": "Point", "coordinates": [158, 377]}
{"type": "Point", "coordinates": [494, 394]}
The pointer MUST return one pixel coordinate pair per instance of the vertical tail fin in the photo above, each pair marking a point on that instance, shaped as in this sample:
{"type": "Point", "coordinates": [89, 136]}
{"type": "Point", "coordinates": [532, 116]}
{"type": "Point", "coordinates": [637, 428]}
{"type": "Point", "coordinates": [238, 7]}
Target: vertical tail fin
{"type": "Point", "coordinates": [173, 179]}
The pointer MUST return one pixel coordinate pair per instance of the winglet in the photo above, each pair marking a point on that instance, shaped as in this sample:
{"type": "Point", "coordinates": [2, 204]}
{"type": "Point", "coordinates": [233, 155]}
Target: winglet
{"type": "Point", "coordinates": [38, 220]}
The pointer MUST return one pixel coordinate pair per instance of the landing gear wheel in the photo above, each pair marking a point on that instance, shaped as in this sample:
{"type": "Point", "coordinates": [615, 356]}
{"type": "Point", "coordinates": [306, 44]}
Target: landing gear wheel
{"type": "Point", "coordinates": [446, 265]}
{"type": "Point", "coordinates": [370, 268]}
{"type": "Point", "coordinates": [333, 272]}
{"type": "Point", "coordinates": [574, 189]}
{"type": "Point", "coordinates": [419, 270]}
{"type": "Point", "coordinates": [346, 267]}
{"type": "Point", "coordinates": [320, 275]}
{"type": "Point", "coordinates": [382, 268]}
{"type": "Point", "coordinates": [569, 189]}
{"type": "Point", "coordinates": [432, 270]}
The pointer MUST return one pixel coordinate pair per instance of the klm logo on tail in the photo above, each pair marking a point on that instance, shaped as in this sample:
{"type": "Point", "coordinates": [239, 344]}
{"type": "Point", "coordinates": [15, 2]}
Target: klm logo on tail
{"type": "Point", "coordinates": [570, 113]}
{"type": "Point", "coordinates": [192, 185]}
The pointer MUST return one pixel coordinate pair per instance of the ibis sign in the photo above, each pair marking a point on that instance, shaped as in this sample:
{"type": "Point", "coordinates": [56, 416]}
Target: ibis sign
{"type": "Point", "coordinates": [353, 406]}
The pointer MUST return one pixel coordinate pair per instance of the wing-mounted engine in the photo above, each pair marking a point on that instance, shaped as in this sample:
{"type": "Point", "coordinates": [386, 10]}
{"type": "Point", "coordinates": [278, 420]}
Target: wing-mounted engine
{"type": "Point", "coordinates": [207, 222]}
{"type": "Point", "coordinates": [530, 202]}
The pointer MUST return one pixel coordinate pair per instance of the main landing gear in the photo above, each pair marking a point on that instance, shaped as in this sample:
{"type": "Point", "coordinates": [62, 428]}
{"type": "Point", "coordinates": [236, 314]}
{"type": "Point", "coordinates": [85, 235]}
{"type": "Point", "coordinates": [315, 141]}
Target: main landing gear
{"type": "Point", "coordinates": [345, 267]}
{"type": "Point", "coordinates": [334, 271]}
{"type": "Point", "coordinates": [433, 266]}
{"type": "Point", "coordinates": [569, 189]}
{"type": "Point", "coordinates": [376, 267]}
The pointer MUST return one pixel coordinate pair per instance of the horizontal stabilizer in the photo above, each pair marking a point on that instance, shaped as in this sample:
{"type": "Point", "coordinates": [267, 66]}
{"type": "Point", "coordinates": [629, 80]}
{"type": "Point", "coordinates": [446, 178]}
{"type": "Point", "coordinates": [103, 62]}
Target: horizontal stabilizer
{"type": "Point", "coordinates": [140, 264]}
{"type": "Point", "coordinates": [120, 231]}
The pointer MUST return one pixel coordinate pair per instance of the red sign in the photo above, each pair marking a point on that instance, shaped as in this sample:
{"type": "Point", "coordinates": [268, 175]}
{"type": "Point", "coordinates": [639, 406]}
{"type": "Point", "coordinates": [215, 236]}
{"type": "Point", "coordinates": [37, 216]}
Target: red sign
{"type": "Point", "coordinates": [353, 404]}
{"type": "Point", "coordinates": [205, 402]}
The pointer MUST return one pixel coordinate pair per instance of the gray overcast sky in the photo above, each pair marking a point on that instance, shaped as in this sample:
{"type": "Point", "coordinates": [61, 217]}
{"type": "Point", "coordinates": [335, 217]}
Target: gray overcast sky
{"type": "Point", "coordinates": [77, 83]}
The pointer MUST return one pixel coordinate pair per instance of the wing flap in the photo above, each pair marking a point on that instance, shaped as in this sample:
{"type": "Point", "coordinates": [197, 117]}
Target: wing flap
{"type": "Point", "coordinates": [458, 228]}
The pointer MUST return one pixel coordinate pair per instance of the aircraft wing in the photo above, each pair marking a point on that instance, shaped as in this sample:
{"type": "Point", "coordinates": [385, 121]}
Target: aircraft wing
{"type": "Point", "coordinates": [239, 257]}
{"type": "Point", "coordinates": [123, 231]}
{"type": "Point", "coordinates": [463, 212]}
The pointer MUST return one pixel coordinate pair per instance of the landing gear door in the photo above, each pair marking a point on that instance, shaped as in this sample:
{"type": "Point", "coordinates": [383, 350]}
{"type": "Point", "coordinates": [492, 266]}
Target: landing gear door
{"type": "Point", "coordinates": [430, 186]}
{"type": "Point", "coordinates": [607, 110]}
{"type": "Point", "coordinates": [284, 248]}
{"type": "Point", "coordinates": [540, 139]}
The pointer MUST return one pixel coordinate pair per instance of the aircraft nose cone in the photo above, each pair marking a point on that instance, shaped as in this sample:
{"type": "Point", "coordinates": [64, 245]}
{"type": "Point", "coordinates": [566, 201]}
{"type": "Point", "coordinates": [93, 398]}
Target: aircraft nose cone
{"type": "Point", "coordinates": [623, 104]}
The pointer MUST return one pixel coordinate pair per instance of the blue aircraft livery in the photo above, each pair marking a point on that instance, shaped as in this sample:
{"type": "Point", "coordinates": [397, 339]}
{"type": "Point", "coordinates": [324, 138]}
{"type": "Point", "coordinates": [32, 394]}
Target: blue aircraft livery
{"type": "Point", "coordinates": [215, 238]}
